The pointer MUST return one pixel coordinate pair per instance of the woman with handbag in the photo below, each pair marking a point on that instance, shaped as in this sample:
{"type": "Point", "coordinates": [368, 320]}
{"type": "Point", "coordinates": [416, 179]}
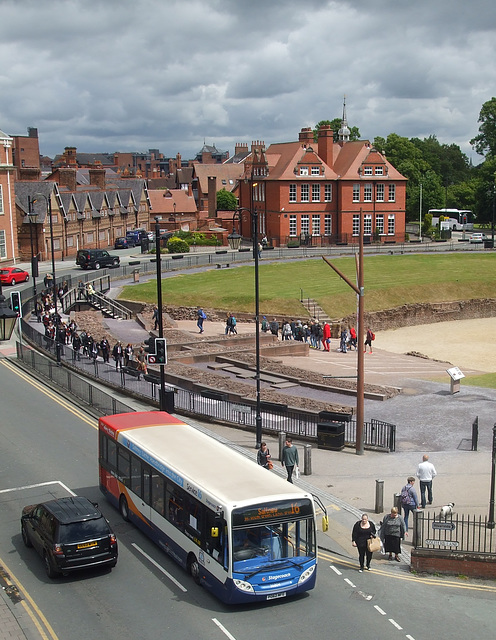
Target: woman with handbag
{"type": "Point", "coordinates": [393, 530]}
{"type": "Point", "coordinates": [363, 531]}
{"type": "Point", "coordinates": [263, 457]}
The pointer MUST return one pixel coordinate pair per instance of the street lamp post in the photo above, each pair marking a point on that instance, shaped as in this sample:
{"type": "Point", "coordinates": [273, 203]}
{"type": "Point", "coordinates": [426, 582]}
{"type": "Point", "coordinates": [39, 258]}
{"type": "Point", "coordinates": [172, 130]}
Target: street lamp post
{"type": "Point", "coordinates": [54, 285]}
{"type": "Point", "coordinates": [234, 240]}
{"type": "Point", "coordinates": [32, 215]}
{"type": "Point", "coordinates": [162, 400]}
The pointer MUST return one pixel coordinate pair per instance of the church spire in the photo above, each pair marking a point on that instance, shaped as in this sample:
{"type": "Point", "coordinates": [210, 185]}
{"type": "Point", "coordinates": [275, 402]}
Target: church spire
{"type": "Point", "coordinates": [344, 131]}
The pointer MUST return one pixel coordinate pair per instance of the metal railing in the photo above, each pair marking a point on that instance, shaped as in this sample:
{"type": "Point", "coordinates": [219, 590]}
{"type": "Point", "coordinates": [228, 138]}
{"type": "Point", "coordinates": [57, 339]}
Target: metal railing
{"type": "Point", "coordinates": [466, 534]}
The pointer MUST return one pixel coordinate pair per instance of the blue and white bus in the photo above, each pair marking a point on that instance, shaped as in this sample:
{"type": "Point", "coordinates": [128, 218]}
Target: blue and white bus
{"type": "Point", "coordinates": [242, 531]}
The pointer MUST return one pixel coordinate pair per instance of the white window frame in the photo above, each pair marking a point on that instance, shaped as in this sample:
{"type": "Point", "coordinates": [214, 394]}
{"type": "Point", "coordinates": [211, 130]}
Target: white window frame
{"type": "Point", "coordinates": [391, 224]}
{"type": "Point", "coordinates": [303, 171]}
{"type": "Point", "coordinates": [315, 224]}
{"type": "Point", "coordinates": [305, 224]}
{"type": "Point", "coordinates": [367, 224]}
{"type": "Point", "coordinates": [328, 224]}
{"type": "Point", "coordinates": [379, 171]}
{"type": "Point", "coordinates": [315, 171]}
{"type": "Point", "coordinates": [305, 192]}
{"type": "Point", "coordinates": [356, 224]}
{"type": "Point", "coordinates": [356, 192]}
{"type": "Point", "coordinates": [292, 193]}
{"type": "Point", "coordinates": [328, 192]}
{"type": "Point", "coordinates": [293, 225]}
{"type": "Point", "coordinates": [367, 192]}
{"type": "Point", "coordinates": [379, 224]}
{"type": "Point", "coordinates": [3, 244]}
{"type": "Point", "coordinates": [1, 201]}
{"type": "Point", "coordinates": [379, 192]}
{"type": "Point", "coordinates": [316, 192]}
{"type": "Point", "coordinates": [367, 171]}
{"type": "Point", "coordinates": [391, 193]}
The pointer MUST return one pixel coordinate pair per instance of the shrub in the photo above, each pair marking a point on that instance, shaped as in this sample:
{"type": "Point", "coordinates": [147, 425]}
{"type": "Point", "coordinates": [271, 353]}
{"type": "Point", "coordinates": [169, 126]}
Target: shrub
{"type": "Point", "coordinates": [177, 245]}
{"type": "Point", "coordinates": [293, 244]}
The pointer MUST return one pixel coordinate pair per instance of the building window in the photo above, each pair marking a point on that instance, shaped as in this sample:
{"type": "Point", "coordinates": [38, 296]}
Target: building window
{"type": "Point", "coordinates": [379, 224]}
{"type": "Point", "coordinates": [367, 224]}
{"type": "Point", "coordinates": [102, 235]}
{"type": "Point", "coordinates": [305, 225]}
{"type": "Point", "coordinates": [56, 244]}
{"type": "Point", "coordinates": [303, 171]}
{"type": "Point", "coordinates": [392, 193]}
{"type": "Point", "coordinates": [3, 245]}
{"type": "Point", "coordinates": [356, 224]}
{"type": "Point", "coordinates": [379, 171]}
{"type": "Point", "coordinates": [89, 238]}
{"type": "Point", "coordinates": [356, 193]}
{"type": "Point", "coordinates": [391, 224]}
{"type": "Point", "coordinates": [1, 200]}
{"type": "Point", "coordinates": [316, 171]}
{"type": "Point", "coordinates": [55, 218]}
{"type": "Point", "coordinates": [305, 193]}
{"type": "Point", "coordinates": [315, 225]}
{"type": "Point", "coordinates": [292, 193]}
{"type": "Point", "coordinates": [328, 192]}
{"type": "Point", "coordinates": [292, 226]}
{"type": "Point", "coordinates": [367, 193]}
{"type": "Point", "coordinates": [316, 193]}
{"type": "Point", "coordinates": [379, 193]}
{"type": "Point", "coordinates": [327, 224]}
{"type": "Point", "coordinates": [70, 241]}
{"type": "Point", "coordinates": [367, 171]}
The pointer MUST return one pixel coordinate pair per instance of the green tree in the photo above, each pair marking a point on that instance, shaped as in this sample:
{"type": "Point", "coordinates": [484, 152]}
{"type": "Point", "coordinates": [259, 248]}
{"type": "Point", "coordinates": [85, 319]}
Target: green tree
{"type": "Point", "coordinates": [485, 142]}
{"type": "Point", "coordinates": [226, 201]}
{"type": "Point", "coordinates": [336, 126]}
{"type": "Point", "coordinates": [485, 191]}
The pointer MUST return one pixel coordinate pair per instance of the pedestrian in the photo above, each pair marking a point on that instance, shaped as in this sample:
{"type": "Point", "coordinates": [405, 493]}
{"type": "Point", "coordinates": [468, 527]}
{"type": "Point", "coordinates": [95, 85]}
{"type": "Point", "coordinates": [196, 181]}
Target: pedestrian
{"type": "Point", "coordinates": [290, 458]}
{"type": "Point", "coordinates": [286, 333]}
{"type": "Point", "coordinates": [231, 324]}
{"type": "Point", "coordinates": [343, 340]}
{"type": "Point", "coordinates": [263, 456]}
{"type": "Point", "coordinates": [89, 292]}
{"type": "Point", "coordinates": [353, 338]}
{"type": "Point", "coordinates": [363, 530]}
{"type": "Point", "coordinates": [117, 355]}
{"type": "Point", "coordinates": [201, 316]}
{"type": "Point", "coordinates": [155, 318]}
{"type": "Point", "coordinates": [128, 354]}
{"type": "Point", "coordinates": [259, 247]}
{"type": "Point", "coordinates": [368, 340]}
{"type": "Point", "coordinates": [141, 359]}
{"type": "Point", "coordinates": [426, 472]}
{"type": "Point", "coordinates": [76, 347]}
{"type": "Point", "coordinates": [80, 290]}
{"type": "Point", "coordinates": [274, 327]}
{"type": "Point", "coordinates": [409, 499]}
{"type": "Point", "coordinates": [392, 532]}
{"type": "Point", "coordinates": [265, 325]}
{"type": "Point", "coordinates": [326, 338]}
{"type": "Point", "coordinates": [105, 349]}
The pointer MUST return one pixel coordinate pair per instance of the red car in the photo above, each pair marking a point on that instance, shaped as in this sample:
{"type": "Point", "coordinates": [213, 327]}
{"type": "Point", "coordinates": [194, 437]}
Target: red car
{"type": "Point", "coordinates": [13, 275]}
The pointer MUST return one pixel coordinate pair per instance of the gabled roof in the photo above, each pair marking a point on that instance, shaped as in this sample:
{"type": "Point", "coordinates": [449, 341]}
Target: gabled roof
{"type": "Point", "coordinates": [231, 173]}
{"type": "Point", "coordinates": [163, 201]}
{"type": "Point", "coordinates": [285, 158]}
{"type": "Point", "coordinates": [84, 159]}
{"type": "Point", "coordinates": [83, 175]}
{"type": "Point", "coordinates": [27, 190]}
{"type": "Point", "coordinates": [239, 157]}
{"type": "Point", "coordinates": [353, 155]}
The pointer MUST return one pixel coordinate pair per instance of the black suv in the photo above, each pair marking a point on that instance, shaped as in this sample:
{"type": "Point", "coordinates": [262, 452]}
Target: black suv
{"type": "Point", "coordinates": [69, 534]}
{"type": "Point", "coordinates": [96, 258]}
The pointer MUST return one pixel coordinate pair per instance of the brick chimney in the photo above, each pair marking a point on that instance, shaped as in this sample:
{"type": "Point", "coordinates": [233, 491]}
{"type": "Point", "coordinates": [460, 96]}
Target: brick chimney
{"type": "Point", "coordinates": [306, 135]}
{"type": "Point", "coordinates": [212, 196]}
{"type": "Point", "coordinates": [326, 144]}
{"type": "Point", "coordinates": [240, 147]}
{"type": "Point", "coordinates": [97, 177]}
{"type": "Point", "coordinates": [29, 174]}
{"type": "Point", "coordinates": [67, 178]}
{"type": "Point", "coordinates": [70, 155]}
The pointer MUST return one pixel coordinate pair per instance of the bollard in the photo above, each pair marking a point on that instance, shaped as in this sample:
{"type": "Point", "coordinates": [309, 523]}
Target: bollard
{"type": "Point", "coordinates": [136, 275]}
{"type": "Point", "coordinates": [397, 501]}
{"type": "Point", "coordinates": [379, 496]}
{"type": "Point", "coordinates": [307, 460]}
{"type": "Point", "coordinates": [282, 443]}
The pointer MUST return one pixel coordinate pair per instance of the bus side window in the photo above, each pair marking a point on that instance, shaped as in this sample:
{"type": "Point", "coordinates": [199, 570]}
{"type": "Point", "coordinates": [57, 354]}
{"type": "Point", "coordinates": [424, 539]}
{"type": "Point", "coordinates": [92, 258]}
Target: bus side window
{"type": "Point", "coordinates": [158, 494]}
{"type": "Point", "coordinates": [136, 481]}
{"type": "Point", "coordinates": [124, 465]}
{"type": "Point", "coordinates": [215, 544]}
{"type": "Point", "coordinates": [176, 514]}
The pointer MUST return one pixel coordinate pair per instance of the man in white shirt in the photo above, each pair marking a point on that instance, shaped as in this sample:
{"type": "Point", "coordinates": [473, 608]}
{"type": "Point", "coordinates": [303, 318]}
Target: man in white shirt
{"type": "Point", "coordinates": [425, 473]}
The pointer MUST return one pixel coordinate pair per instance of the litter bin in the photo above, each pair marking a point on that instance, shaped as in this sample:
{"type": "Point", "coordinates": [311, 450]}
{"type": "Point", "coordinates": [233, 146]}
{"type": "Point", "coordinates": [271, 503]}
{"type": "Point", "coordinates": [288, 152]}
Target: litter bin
{"type": "Point", "coordinates": [397, 501]}
{"type": "Point", "coordinates": [145, 245]}
{"type": "Point", "coordinates": [331, 435]}
{"type": "Point", "coordinates": [135, 275]}
{"type": "Point", "coordinates": [488, 244]}
{"type": "Point", "coordinates": [169, 401]}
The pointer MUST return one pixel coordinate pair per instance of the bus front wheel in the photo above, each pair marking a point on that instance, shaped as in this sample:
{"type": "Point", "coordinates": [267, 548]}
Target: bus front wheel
{"type": "Point", "coordinates": [123, 508]}
{"type": "Point", "coordinates": [194, 568]}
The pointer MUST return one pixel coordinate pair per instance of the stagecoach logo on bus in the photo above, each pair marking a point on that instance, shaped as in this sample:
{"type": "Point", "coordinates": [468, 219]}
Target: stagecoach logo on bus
{"type": "Point", "coordinates": [144, 455]}
{"type": "Point", "coordinates": [280, 576]}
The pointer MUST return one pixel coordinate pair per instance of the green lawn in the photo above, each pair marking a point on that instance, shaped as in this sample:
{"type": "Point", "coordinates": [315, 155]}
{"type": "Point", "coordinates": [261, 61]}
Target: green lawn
{"type": "Point", "coordinates": [390, 281]}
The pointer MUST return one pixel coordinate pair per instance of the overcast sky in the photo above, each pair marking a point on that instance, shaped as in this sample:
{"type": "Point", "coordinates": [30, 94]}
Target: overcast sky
{"type": "Point", "coordinates": [130, 75]}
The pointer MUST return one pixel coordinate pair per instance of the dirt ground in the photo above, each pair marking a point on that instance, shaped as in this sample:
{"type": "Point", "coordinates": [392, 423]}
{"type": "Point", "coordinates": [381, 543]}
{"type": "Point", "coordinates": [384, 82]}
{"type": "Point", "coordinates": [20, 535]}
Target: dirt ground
{"type": "Point", "coordinates": [468, 344]}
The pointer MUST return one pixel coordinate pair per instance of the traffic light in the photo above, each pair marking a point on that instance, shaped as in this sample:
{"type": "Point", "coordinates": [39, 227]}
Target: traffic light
{"type": "Point", "coordinates": [15, 303]}
{"type": "Point", "coordinates": [150, 345]}
{"type": "Point", "coordinates": [160, 351]}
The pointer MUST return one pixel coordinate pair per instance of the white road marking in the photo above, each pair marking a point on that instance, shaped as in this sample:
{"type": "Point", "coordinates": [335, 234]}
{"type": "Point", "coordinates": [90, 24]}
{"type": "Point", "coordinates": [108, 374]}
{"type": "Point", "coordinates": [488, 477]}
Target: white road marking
{"type": "Point", "coordinates": [409, 637]}
{"type": "Point", "coordinates": [40, 484]}
{"type": "Point", "coordinates": [336, 570]}
{"type": "Point", "coordinates": [350, 582]}
{"type": "Point", "coordinates": [156, 564]}
{"type": "Point", "coordinates": [395, 624]}
{"type": "Point", "coordinates": [383, 613]}
{"type": "Point", "coordinates": [223, 629]}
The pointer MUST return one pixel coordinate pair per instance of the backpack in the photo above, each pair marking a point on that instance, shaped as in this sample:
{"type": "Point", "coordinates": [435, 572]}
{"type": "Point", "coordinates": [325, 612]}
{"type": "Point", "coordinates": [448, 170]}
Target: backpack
{"type": "Point", "coordinates": [406, 496]}
{"type": "Point", "coordinates": [203, 315]}
{"type": "Point", "coordinates": [373, 336]}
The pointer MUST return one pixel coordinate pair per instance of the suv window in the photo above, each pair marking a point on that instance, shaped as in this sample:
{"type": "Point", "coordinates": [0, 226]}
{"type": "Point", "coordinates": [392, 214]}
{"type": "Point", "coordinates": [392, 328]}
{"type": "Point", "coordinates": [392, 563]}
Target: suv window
{"type": "Point", "coordinates": [77, 531]}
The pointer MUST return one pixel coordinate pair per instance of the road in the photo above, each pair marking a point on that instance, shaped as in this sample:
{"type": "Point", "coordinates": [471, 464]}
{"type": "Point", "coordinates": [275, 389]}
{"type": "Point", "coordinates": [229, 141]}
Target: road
{"type": "Point", "coordinates": [46, 439]}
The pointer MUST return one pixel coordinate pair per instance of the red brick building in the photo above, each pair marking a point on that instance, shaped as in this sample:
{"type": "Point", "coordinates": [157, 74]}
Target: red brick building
{"type": "Point", "coordinates": [8, 226]}
{"type": "Point", "coordinates": [312, 192]}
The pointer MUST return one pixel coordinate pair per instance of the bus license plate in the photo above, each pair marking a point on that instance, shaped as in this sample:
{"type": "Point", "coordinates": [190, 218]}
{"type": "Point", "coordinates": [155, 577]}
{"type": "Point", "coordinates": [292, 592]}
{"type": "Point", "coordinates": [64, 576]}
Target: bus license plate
{"type": "Point", "coordinates": [272, 596]}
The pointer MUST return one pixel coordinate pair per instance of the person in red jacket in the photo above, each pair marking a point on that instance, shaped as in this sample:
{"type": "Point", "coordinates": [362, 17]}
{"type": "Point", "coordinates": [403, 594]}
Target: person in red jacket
{"type": "Point", "coordinates": [326, 338]}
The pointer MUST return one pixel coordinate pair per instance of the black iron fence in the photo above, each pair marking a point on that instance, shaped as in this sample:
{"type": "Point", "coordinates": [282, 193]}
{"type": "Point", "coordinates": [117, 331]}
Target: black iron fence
{"type": "Point", "coordinates": [462, 533]}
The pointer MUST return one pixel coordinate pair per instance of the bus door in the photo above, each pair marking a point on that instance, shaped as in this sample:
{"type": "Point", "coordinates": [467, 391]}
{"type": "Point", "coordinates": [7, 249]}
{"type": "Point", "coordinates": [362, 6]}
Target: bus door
{"type": "Point", "coordinates": [141, 485]}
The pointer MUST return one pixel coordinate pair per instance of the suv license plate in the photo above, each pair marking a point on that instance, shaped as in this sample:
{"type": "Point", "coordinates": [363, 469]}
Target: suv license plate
{"type": "Point", "coordinates": [87, 545]}
{"type": "Point", "coordinates": [273, 596]}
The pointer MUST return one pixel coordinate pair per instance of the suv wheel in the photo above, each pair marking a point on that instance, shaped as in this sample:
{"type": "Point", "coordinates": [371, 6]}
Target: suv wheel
{"type": "Point", "coordinates": [25, 537]}
{"type": "Point", "coordinates": [97, 265]}
{"type": "Point", "coordinates": [115, 262]}
{"type": "Point", "coordinates": [49, 568]}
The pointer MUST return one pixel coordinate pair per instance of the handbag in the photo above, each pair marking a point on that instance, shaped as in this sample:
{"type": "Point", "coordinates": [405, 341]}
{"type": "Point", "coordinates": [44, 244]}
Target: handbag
{"type": "Point", "coordinates": [297, 471]}
{"type": "Point", "coordinates": [269, 464]}
{"type": "Point", "coordinates": [374, 544]}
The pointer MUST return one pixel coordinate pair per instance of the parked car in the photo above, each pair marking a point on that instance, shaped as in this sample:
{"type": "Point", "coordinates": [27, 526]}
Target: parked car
{"type": "Point", "coordinates": [13, 275]}
{"type": "Point", "coordinates": [477, 238]}
{"type": "Point", "coordinates": [96, 259]}
{"type": "Point", "coordinates": [69, 534]}
{"type": "Point", "coordinates": [134, 237]}
{"type": "Point", "coordinates": [121, 243]}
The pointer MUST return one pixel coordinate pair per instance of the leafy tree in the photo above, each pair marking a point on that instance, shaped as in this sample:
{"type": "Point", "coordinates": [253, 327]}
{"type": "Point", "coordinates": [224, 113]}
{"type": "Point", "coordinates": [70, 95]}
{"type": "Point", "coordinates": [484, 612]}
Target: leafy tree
{"type": "Point", "coordinates": [336, 126]}
{"type": "Point", "coordinates": [226, 201]}
{"type": "Point", "coordinates": [485, 191]}
{"type": "Point", "coordinates": [485, 142]}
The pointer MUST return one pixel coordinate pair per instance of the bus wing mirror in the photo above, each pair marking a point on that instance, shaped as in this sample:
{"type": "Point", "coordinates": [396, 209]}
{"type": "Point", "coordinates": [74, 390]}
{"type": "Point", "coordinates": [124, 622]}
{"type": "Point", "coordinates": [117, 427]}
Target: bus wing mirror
{"type": "Point", "coordinates": [325, 523]}
{"type": "Point", "coordinates": [214, 532]}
